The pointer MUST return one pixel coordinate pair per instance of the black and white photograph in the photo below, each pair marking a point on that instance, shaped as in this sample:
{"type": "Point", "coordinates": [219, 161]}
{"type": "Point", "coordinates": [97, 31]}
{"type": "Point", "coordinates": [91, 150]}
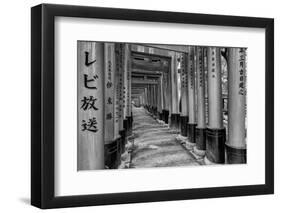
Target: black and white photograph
{"type": "Point", "coordinates": [160, 105]}
{"type": "Point", "coordinates": [143, 105]}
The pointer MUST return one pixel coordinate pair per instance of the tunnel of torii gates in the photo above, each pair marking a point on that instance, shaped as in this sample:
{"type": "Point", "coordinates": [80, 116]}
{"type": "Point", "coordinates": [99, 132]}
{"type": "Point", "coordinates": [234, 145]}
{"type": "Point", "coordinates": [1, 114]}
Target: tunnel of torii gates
{"type": "Point", "coordinates": [180, 85]}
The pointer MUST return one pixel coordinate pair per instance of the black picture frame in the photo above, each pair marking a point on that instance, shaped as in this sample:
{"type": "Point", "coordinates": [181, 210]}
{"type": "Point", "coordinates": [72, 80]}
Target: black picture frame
{"type": "Point", "coordinates": [43, 102]}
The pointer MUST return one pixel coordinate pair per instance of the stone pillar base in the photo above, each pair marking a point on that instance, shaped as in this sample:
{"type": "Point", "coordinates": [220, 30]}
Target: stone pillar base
{"type": "Point", "coordinates": [172, 123]}
{"type": "Point", "coordinates": [154, 111]}
{"type": "Point", "coordinates": [122, 141]}
{"type": "Point", "coordinates": [126, 126]}
{"type": "Point", "coordinates": [111, 155]}
{"type": "Point", "coordinates": [215, 145]}
{"type": "Point", "coordinates": [178, 121]}
{"type": "Point", "coordinates": [160, 115]}
{"type": "Point", "coordinates": [175, 121]}
{"type": "Point", "coordinates": [183, 125]}
{"type": "Point", "coordinates": [131, 121]}
{"type": "Point", "coordinates": [200, 138]}
{"type": "Point", "coordinates": [149, 108]}
{"type": "Point", "coordinates": [119, 144]}
{"type": "Point", "coordinates": [130, 125]}
{"type": "Point", "coordinates": [235, 155]}
{"type": "Point", "coordinates": [165, 116]}
{"type": "Point", "coordinates": [191, 132]}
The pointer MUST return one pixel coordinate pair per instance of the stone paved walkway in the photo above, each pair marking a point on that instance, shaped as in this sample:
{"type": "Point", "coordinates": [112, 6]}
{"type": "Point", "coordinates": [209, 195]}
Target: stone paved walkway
{"type": "Point", "coordinates": [155, 145]}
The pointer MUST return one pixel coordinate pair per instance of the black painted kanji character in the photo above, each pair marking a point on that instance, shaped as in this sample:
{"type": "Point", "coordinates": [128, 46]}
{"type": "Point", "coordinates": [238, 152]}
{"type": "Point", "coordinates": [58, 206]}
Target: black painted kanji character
{"type": "Point", "coordinates": [241, 85]}
{"type": "Point", "coordinates": [84, 125]}
{"type": "Point", "coordinates": [241, 92]}
{"type": "Point", "coordinates": [87, 63]}
{"type": "Point", "coordinates": [109, 84]}
{"type": "Point", "coordinates": [109, 116]}
{"type": "Point", "coordinates": [90, 125]}
{"type": "Point", "coordinates": [86, 81]}
{"type": "Point", "coordinates": [109, 100]}
{"type": "Point", "coordinates": [89, 103]}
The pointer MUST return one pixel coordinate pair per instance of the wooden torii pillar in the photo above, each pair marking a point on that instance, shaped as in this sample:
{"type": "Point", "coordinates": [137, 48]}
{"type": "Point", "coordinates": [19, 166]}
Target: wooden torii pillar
{"type": "Point", "coordinates": [166, 98]}
{"type": "Point", "coordinates": [169, 93]}
{"type": "Point", "coordinates": [154, 89]}
{"type": "Point", "coordinates": [129, 93]}
{"type": "Point", "coordinates": [215, 133]}
{"type": "Point", "coordinates": [116, 103]}
{"type": "Point", "coordinates": [201, 111]}
{"type": "Point", "coordinates": [119, 58]}
{"type": "Point", "coordinates": [175, 116]}
{"type": "Point", "coordinates": [141, 99]}
{"type": "Point", "coordinates": [184, 95]}
{"type": "Point", "coordinates": [91, 105]}
{"type": "Point", "coordinates": [111, 136]}
{"type": "Point", "coordinates": [160, 104]}
{"type": "Point", "coordinates": [127, 90]}
{"type": "Point", "coordinates": [191, 96]}
{"type": "Point", "coordinates": [125, 59]}
{"type": "Point", "coordinates": [178, 77]}
{"type": "Point", "coordinates": [236, 144]}
{"type": "Point", "coordinates": [149, 97]}
{"type": "Point", "coordinates": [145, 98]}
{"type": "Point", "coordinates": [154, 98]}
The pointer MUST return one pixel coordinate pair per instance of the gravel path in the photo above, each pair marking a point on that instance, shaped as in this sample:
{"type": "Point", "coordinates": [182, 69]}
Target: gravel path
{"type": "Point", "coordinates": [155, 145]}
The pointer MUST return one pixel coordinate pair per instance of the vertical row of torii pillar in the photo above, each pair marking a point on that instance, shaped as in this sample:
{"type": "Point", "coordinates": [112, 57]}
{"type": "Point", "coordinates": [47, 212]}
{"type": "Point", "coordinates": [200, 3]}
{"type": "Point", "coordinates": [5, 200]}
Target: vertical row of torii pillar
{"type": "Point", "coordinates": [103, 127]}
{"type": "Point", "coordinates": [189, 99]}
{"type": "Point", "coordinates": [177, 97]}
